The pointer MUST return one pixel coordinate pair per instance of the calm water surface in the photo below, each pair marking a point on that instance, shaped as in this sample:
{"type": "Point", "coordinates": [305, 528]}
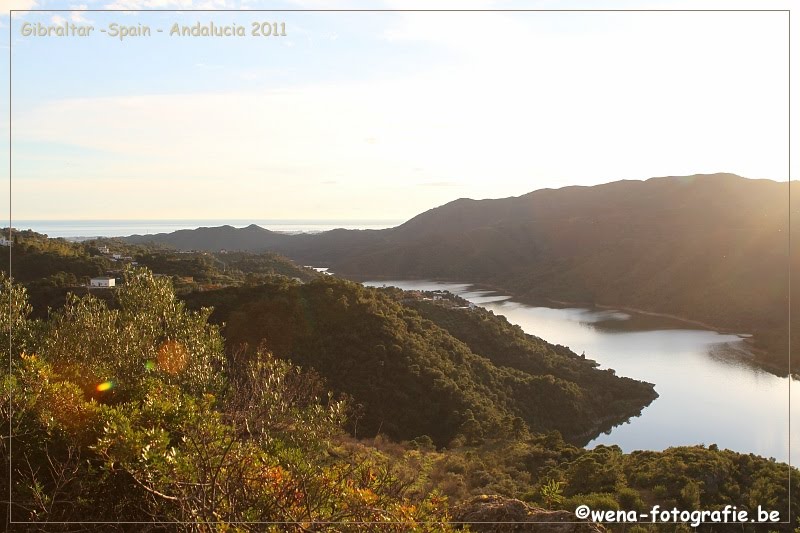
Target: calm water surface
{"type": "Point", "coordinates": [709, 393]}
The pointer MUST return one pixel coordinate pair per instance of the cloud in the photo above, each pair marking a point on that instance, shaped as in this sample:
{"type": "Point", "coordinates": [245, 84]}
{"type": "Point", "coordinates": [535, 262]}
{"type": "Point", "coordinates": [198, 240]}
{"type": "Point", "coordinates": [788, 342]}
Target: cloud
{"type": "Point", "coordinates": [76, 15]}
{"type": "Point", "coordinates": [21, 4]}
{"type": "Point", "coordinates": [512, 109]}
{"type": "Point", "coordinates": [135, 5]}
{"type": "Point", "coordinates": [440, 184]}
{"type": "Point", "coordinates": [499, 132]}
{"type": "Point", "coordinates": [11, 5]}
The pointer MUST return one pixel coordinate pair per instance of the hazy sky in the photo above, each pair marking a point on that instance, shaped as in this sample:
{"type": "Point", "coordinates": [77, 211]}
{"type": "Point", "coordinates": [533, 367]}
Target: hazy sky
{"type": "Point", "coordinates": [384, 115]}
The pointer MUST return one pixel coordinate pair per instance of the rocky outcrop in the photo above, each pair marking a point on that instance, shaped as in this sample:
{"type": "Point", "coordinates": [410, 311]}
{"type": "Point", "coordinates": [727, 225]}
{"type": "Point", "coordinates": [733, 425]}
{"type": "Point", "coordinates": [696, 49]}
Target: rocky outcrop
{"type": "Point", "coordinates": [496, 514]}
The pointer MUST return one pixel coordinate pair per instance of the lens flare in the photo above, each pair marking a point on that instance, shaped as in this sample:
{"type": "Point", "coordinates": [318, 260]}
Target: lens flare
{"type": "Point", "coordinates": [106, 385]}
{"type": "Point", "coordinates": [172, 357]}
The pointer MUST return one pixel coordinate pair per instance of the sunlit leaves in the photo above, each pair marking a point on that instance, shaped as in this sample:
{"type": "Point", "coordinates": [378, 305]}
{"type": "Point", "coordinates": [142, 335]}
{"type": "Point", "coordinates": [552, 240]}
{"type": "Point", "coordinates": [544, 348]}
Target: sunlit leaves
{"type": "Point", "coordinates": [132, 410]}
{"type": "Point", "coordinates": [15, 328]}
{"type": "Point", "coordinates": [94, 344]}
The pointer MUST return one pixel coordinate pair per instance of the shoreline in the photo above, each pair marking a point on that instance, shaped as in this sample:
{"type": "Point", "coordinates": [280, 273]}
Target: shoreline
{"type": "Point", "coordinates": [757, 353]}
{"type": "Point", "coordinates": [748, 338]}
{"type": "Point", "coordinates": [638, 311]}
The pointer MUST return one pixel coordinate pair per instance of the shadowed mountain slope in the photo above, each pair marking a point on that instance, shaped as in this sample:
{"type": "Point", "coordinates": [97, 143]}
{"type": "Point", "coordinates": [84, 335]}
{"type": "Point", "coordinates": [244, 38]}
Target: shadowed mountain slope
{"type": "Point", "coordinates": [709, 248]}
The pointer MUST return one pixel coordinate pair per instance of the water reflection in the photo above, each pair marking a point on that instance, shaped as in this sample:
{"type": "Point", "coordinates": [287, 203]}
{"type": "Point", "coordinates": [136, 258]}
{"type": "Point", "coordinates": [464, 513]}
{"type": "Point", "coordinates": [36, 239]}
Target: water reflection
{"type": "Point", "coordinates": [709, 391]}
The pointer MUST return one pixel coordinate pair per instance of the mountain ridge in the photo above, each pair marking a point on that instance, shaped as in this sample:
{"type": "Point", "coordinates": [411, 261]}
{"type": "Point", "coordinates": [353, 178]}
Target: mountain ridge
{"type": "Point", "coordinates": [709, 248]}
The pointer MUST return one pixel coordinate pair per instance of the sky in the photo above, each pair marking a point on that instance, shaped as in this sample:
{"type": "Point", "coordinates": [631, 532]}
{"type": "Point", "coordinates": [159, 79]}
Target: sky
{"type": "Point", "coordinates": [381, 115]}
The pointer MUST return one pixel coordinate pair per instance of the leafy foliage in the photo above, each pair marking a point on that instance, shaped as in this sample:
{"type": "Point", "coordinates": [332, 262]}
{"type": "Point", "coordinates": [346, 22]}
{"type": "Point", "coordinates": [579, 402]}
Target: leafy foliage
{"type": "Point", "coordinates": [49, 262]}
{"type": "Point", "coordinates": [51, 268]}
{"type": "Point", "coordinates": [207, 440]}
{"type": "Point", "coordinates": [411, 376]}
{"type": "Point", "coordinates": [132, 410]}
{"type": "Point", "coordinates": [604, 398]}
{"type": "Point", "coordinates": [550, 473]}
{"type": "Point", "coordinates": [91, 344]}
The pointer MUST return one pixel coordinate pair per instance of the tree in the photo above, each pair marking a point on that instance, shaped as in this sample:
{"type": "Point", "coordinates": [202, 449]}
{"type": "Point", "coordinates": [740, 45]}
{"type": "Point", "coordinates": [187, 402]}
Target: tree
{"type": "Point", "coordinates": [110, 353]}
{"type": "Point", "coordinates": [133, 412]}
{"type": "Point", "coordinates": [16, 329]}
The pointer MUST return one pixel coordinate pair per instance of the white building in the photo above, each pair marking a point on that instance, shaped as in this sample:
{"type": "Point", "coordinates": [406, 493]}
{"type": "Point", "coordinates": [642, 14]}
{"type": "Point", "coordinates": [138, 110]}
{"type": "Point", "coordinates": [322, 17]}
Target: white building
{"type": "Point", "coordinates": [104, 282]}
{"type": "Point", "coordinates": [5, 242]}
{"type": "Point", "coordinates": [103, 249]}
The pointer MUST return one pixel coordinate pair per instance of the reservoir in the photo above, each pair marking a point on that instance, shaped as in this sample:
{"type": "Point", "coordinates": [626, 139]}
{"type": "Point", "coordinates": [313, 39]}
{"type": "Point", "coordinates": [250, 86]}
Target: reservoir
{"type": "Point", "coordinates": [709, 393]}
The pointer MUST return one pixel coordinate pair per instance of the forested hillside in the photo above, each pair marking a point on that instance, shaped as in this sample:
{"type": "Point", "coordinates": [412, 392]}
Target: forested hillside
{"type": "Point", "coordinates": [51, 268]}
{"type": "Point", "coordinates": [411, 376]}
{"type": "Point", "coordinates": [138, 409]}
{"type": "Point", "coordinates": [132, 412]}
{"type": "Point", "coordinates": [709, 248]}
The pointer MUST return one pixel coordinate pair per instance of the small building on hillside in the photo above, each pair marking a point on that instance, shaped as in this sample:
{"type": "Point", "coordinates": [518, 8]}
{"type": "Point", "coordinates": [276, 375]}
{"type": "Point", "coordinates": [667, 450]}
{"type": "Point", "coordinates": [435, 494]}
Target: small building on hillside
{"type": "Point", "coordinates": [5, 242]}
{"type": "Point", "coordinates": [103, 282]}
{"type": "Point", "coordinates": [103, 250]}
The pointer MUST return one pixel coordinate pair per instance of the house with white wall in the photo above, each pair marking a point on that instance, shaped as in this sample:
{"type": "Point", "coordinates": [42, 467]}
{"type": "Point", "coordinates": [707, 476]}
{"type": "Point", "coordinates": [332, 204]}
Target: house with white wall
{"type": "Point", "coordinates": [102, 282]}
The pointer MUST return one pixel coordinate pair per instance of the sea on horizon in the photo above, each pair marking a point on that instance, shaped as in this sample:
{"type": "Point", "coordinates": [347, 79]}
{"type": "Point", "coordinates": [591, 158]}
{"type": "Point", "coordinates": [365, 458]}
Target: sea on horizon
{"type": "Point", "coordinates": [87, 229]}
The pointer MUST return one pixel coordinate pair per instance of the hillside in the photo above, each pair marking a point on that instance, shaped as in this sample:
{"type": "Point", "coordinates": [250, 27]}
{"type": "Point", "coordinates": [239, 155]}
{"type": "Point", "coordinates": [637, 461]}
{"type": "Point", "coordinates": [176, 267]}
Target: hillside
{"type": "Point", "coordinates": [50, 268]}
{"type": "Point", "coordinates": [136, 409]}
{"type": "Point", "coordinates": [37, 258]}
{"type": "Point", "coordinates": [709, 248]}
{"type": "Point", "coordinates": [411, 376]}
{"type": "Point", "coordinates": [251, 238]}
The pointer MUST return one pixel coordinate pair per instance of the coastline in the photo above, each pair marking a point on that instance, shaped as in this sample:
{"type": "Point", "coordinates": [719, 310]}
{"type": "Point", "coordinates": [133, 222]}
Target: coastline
{"type": "Point", "coordinates": [758, 354]}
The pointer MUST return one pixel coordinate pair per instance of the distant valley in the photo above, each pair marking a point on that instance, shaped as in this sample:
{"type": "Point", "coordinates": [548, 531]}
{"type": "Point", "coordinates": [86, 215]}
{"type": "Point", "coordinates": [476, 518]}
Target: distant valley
{"type": "Point", "coordinates": [415, 398]}
{"type": "Point", "coordinates": [708, 248]}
